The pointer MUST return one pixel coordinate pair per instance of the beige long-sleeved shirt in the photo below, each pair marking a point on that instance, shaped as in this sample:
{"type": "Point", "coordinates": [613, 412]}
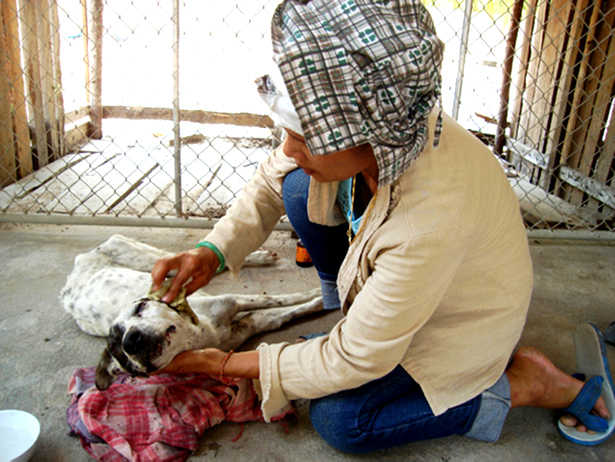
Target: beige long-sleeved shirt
{"type": "Point", "coordinates": [438, 278]}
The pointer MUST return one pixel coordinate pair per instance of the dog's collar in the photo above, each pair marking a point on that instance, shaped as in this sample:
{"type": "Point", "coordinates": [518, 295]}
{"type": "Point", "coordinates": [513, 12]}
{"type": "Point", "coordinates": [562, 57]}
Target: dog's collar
{"type": "Point", "coordinates": [179, 304]}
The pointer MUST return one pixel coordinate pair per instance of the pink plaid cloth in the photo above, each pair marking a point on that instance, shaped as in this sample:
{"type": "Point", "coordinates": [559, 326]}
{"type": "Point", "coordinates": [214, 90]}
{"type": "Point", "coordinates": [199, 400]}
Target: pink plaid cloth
{"type": "Point", "coordinates": [158, 418]}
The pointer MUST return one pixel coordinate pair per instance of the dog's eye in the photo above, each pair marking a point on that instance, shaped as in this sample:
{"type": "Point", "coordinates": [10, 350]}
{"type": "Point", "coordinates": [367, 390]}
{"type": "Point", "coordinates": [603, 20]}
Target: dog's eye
{"type": "Point", "coordinates": [139, 308]}
{"type": "Point", "coordinates": [116, 333]}
{"type": "Point", "coordinates": [171, 329]}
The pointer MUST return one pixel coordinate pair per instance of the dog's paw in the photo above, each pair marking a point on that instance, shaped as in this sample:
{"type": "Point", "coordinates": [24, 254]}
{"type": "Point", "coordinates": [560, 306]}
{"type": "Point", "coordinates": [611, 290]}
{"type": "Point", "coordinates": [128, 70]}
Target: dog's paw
{"type": "Point", "coordinates": [261, 258]}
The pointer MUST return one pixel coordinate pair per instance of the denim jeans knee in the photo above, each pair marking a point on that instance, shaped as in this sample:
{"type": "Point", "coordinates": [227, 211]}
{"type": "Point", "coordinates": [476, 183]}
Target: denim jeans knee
{"type": "Point", "coordinates": [327, 245]}
{"type": "Point", "coordinates": [331, 420]}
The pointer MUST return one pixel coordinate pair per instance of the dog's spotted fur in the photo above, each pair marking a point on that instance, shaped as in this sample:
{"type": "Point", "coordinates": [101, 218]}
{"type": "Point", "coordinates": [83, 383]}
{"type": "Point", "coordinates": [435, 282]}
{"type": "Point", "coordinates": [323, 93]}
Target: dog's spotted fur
{"type": "Point", "coordinates": [105, 290]}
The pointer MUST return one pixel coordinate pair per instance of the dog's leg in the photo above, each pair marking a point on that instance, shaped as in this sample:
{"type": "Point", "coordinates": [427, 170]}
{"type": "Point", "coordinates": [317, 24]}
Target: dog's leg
{"type": "Point", "coordinates": [260, 301]}
{"type": "Point", "coordinates": [247, 324]}
{"type": "Point", "coordinates": [223, 309]}
{"type": "Point", "coordinates": [261, 258]}
{"type": "Point", "coordinates": [129, 253]}
{"type": "Point", "coordinates": [136, 255]}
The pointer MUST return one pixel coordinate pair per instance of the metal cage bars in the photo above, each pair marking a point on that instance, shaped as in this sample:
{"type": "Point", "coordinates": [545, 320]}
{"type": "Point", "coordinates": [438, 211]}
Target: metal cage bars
{"type": "Point", "coordinates": [558, 43]}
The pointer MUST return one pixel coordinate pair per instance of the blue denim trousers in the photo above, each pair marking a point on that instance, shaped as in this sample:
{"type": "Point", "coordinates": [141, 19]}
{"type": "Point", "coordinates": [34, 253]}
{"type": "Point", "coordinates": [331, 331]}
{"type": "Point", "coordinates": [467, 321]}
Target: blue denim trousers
{"type": "Point", "coordinates": [392, 410]}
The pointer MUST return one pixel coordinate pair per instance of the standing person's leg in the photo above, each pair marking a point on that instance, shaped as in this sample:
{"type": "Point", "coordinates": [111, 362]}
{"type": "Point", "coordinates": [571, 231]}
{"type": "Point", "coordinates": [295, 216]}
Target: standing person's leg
{"type": "Point", "coordinates": [327, 245]}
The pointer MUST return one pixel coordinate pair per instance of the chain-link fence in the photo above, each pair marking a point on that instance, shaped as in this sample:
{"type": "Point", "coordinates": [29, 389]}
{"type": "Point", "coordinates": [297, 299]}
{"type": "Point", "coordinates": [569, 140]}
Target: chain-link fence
{"type": "Point", "coordinates": [145, 111]}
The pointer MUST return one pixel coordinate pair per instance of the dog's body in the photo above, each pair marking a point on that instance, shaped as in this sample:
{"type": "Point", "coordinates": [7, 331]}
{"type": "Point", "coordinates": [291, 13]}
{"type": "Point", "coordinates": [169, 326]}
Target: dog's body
{"type": "Point", "coordinates": [105, 294]}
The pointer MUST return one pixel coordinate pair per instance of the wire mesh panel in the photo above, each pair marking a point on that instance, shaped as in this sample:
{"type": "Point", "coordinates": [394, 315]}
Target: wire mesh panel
{"type": "Point", "coordinates": [148, 109]}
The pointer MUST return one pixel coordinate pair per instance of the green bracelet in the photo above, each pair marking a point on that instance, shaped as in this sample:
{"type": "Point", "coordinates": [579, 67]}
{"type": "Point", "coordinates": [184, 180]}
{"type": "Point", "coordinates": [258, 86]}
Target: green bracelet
{"type": "Point", "coordinates": [209, 245]}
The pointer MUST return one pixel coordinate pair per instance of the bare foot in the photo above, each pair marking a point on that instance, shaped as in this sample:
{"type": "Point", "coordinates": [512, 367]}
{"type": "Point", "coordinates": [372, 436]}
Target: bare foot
{"type": "Point", "coordinates": [535, 381]}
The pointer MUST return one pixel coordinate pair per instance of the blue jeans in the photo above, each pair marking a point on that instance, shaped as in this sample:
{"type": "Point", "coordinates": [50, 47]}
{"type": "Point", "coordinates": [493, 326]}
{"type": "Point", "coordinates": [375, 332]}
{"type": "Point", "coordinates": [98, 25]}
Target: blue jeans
{"type": "Point", "coordinates": [391, 410]}
{"type": "Point", "coordinates": [386, 412]}
{"type": "Point", "coordinates": [327, 245]}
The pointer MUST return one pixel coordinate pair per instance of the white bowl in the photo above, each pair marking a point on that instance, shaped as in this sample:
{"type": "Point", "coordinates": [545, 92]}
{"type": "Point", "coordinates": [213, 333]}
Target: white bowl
{"type": "Point", "coordinates": [19, 433]}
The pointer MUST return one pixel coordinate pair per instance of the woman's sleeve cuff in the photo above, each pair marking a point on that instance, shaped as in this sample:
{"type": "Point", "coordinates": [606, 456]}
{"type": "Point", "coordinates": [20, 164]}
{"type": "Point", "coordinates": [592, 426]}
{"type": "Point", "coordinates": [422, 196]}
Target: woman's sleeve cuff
{"type": "Point", "coordinates": [273, 400]}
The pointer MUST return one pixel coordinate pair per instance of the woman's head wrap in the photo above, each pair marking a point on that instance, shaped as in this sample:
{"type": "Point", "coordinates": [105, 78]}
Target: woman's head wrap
{"type": "Point", "coordinates": [360, 71]}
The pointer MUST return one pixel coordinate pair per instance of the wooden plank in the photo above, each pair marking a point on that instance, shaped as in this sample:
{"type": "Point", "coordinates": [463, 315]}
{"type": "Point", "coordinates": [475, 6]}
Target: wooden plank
{"type": "Point", "coordinates": [565, 80]}
{"type": "Point", "coordinates": [606, 158]}
{"type": "Point", "coordinates": [33, 79]}
{"type": "Point", "coordinates": [188, 115]}
{"type": "Point", "coordinates": [523, 66]}
{"type": "Point", "coordinates": [194, 162]}
{"type": "Point", "coordinates": [57, 173]}
{"type": "Point", "coordinates": [76, 134]}
{"type": "Point", "coordinates": [8, 167]}
{"type": "Point", "coordinates": [151, 207]}
{"type": "Point", "coordinates": [114, 175]}
{"type": "Point", "coordinates": [593, 188]}
{"type": "Point", "coordinates": [132, 187]}
{"type": "Point", "coordinates": [511, 42]}
{"type": "Point", "coordinates": [544, 207]}
{"type": "Point", "coordinates": [17, 92]}
{"type": "Point", "coordinates": [77, 114]}
{"type": "Point", "coordinates": [553, 31]}
{"type": "Point", "coordinates": [532, 155]}
{"type": "Point", "coordinates": [47, 80]}
{"type": "Point", "coordinates": [95, 88]}
{"type": "Point", "coordinates": [57, 75]}
{"type": "Point", "coordinates": [192, 199]}
{"type": "Point", "coordinates": [65, 187]}
{"type": "Point", "coordinates": [532, 92]}
{"type": "Point", "coordinates": [85, 184]}
{"type": "Point", "coordinates": [598, 90]}
{"type": "Point", "coordinates": [86, 48]}
{"type": "Point", "coordinates": [14, 197]}
{"type": "Point", "coordinates": [552, 70]}
{"type": "Point", "coordinates": [575, 132]}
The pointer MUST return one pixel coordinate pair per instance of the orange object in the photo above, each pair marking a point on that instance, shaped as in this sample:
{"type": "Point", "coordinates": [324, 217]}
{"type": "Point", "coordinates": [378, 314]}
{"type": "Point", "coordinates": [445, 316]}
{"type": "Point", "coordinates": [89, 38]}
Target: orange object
{"type": "Point", "coordinates": [302, 257]}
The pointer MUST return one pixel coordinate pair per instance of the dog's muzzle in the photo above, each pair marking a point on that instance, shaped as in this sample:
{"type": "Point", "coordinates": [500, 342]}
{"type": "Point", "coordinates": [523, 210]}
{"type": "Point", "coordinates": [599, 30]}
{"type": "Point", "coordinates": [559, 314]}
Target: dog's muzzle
{"type": "Point", "coordinates": [180, 304]}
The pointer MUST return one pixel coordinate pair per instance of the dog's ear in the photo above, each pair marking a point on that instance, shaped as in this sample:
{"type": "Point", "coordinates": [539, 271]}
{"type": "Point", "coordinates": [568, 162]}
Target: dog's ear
{"type": "Point", "coordinates": [103, 378]}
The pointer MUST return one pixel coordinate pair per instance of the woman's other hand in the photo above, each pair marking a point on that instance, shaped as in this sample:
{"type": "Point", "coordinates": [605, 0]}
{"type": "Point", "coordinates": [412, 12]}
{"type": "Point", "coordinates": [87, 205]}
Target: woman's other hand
{"type": "Point", "coordinates": [204, 361]}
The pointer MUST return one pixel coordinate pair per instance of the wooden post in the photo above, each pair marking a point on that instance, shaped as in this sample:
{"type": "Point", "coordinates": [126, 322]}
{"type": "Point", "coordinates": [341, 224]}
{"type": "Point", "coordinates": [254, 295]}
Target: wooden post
{"type": "Point", "coordinates": [525, 55]}
{"type": "Point", "coordinates": [176, 112]}
{"type": "Point", "coordinates": [527, 119]}
{"type": "Point", "coordinates": [606, 160]}
{"type": "Point", "coordinates": [8, 168]}
{"type": "Point", "coordinates": [511, 42]}
{"type": "Point", "coordinates": [575, 132]}
{"type": "Point", "coordinates": [33, 77]}
{"type": "Point", "coordinates": [16, 87]}
{"type": "Point", "coordinates": [565, 84]}
{"type": "Point", "coordinates": [86, 48]}
{"type": "Point", "coordinates": [95, 87]}
{"type": "Point", "coordinates": [549, 80]}
{"type": "Point", "coordinates": [598, 91]}
{"type": "Point", "coordinates": [47, 78]}
{"type": "Point", "coordinates": [57, 75]}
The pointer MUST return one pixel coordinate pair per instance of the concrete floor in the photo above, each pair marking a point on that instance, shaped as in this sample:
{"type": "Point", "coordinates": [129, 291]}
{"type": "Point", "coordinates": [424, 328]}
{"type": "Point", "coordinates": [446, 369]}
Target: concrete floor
{"type": "Point", "coordinates": [40, 346]}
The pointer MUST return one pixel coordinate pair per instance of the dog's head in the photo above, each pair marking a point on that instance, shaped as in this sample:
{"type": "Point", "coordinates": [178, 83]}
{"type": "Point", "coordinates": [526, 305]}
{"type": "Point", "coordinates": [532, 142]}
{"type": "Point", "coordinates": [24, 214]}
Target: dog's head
{"type": "Point", "coordinates": [145, 338]}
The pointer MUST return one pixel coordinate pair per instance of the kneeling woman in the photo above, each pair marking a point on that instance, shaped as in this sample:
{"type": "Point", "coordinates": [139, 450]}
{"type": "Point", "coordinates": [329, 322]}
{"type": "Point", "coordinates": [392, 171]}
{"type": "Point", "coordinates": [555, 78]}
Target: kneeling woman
{"type": "Point", "coordinates": [414, 230]}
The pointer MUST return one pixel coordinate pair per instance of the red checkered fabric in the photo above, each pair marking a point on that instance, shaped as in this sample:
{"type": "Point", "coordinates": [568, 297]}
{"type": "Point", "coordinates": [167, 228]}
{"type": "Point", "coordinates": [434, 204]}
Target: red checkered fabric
{"type": "Point", "coordinates": [159, 418]}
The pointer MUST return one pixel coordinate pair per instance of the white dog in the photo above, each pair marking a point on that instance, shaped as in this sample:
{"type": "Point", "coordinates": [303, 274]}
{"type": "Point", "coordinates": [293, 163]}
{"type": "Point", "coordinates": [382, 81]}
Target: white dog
{"type": "Point", "coordinates": [106, 294]}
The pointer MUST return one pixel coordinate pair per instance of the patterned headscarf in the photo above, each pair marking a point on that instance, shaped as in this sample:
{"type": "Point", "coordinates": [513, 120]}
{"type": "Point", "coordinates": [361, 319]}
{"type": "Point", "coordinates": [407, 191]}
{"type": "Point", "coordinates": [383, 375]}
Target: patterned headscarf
{"type": "Point", "coordinates": [361, 71]}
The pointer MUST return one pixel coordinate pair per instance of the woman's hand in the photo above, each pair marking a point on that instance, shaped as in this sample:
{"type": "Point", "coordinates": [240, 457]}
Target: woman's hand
{"type": "Point", "coordinates": [214, 362]}
{"type": "Point", "coordinates": [195, 268]}
{"type": "Point", "coordinates": [206, 361]}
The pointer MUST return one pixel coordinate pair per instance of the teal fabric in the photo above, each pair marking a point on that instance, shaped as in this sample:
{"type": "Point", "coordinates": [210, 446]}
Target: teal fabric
{"type": "Point", "coordinates": [344, 200]}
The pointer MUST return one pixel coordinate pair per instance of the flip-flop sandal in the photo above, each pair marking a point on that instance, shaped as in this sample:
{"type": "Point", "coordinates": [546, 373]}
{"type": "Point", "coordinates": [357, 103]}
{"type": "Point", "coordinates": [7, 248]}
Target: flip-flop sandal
{"type": "Point", "coordinates": [609, 334]}
{"type": "Point", "coordinates": [593, 362]}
